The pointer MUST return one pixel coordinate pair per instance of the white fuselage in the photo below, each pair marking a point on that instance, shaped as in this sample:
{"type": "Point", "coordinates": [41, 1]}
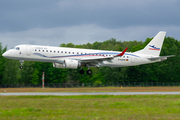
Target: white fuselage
{"type": "Point", "coordinates": [54, 54]}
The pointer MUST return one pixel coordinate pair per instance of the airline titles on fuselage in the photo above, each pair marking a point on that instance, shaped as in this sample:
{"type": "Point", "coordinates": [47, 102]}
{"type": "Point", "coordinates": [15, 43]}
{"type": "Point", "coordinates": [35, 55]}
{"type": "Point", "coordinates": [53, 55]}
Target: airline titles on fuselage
{"type": "Point", "coordinates": [40, 48]}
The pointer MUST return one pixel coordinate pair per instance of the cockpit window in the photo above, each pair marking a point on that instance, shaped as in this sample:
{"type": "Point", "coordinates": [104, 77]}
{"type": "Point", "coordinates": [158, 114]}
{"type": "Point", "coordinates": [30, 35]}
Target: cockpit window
{"type": "Point", "coordinates": [13, 48]}
{"type": "Point", "coordinates": [17, 48]}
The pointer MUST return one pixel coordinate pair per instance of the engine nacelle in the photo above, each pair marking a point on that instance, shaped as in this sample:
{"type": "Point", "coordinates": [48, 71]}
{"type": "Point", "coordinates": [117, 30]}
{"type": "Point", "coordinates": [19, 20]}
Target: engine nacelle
{"type": "Point", "coordinates": [72, 64]}
{"type": "Point", "coordinates": [58, 65]}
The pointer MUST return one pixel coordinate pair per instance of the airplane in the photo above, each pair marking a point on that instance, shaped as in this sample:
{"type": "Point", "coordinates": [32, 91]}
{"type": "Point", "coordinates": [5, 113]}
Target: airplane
{"type": "Point", "coordinates": [74, 58]}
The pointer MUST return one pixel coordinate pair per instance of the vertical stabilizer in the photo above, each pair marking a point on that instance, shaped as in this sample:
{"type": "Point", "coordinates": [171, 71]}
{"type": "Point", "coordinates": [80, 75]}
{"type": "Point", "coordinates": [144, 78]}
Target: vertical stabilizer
{"type": "Point", "coordinates": [154, 46]}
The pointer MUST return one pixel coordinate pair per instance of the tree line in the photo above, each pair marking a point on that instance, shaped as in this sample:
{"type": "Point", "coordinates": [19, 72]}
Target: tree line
{"type": "Point", "coordinates": [166, 71]}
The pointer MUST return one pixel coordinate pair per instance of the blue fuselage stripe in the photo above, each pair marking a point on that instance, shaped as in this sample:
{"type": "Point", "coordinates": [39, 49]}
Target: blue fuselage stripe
{"type": "Point", "coordinates": [92, 54]}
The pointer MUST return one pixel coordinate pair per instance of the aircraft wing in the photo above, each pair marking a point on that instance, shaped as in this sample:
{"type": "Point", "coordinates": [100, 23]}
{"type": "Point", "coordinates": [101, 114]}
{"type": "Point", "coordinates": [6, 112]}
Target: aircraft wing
{"type": "Point", "coordinates": [105, 58]}
{"type": "Point", "coordinates": [99, 60]}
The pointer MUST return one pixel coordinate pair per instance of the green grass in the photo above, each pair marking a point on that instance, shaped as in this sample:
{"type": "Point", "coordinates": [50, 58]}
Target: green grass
{"type": "Point", "coordinates": [90, 107]}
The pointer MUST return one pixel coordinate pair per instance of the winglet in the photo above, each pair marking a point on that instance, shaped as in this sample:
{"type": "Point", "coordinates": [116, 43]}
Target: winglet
{"type": "Point", "coordinates": [121, 54]}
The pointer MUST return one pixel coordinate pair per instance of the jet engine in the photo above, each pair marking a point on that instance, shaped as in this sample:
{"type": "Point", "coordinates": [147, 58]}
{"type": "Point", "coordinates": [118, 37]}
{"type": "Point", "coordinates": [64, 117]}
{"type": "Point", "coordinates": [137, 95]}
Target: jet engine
{"type": "Point", "coordinates": [72, 64]}
{"type": "Point", "coordinates": [58, 65]}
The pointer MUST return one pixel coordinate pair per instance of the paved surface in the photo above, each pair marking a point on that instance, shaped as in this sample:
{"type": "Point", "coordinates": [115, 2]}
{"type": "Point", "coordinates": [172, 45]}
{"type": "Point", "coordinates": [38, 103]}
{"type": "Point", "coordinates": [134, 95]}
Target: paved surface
{"type": "Point", "coordinates": [90, 93]}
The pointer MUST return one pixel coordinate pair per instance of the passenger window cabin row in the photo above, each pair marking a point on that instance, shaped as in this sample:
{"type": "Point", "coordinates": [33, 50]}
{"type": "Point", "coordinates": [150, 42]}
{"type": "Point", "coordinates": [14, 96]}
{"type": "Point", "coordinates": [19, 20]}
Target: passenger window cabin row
{"type": "Point", "coordinates": [76, 53]}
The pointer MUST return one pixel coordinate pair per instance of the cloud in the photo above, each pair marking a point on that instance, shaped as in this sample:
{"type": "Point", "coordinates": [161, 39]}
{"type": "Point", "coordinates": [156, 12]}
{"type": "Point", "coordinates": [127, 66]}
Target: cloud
{"type": "Point", "coordinates": [99, 4]}
{"type": "Point", "coordinates": [54, 22]}
{"type": "Point", "coordinates": [82, 34]}
{"type": "Point", "coordinates": [111, 14]}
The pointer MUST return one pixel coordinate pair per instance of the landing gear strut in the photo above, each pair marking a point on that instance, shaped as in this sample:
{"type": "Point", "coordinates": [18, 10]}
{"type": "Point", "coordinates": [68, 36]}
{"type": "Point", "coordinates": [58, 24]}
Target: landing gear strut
{"type": "Point", "coordinates": [21, 61]}
{"type": "Point", "coordinates": [89, 71]}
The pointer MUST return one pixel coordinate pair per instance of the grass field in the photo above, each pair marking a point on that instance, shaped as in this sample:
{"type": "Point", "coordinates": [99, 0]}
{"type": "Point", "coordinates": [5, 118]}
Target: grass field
{"type": "Point", "coordinates": [92, 107]}
{"type": "Point", "coordinates": [94, 89]}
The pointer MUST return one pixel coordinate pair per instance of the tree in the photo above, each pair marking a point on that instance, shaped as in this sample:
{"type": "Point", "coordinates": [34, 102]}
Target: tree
{"type": "Point", "coordinates": [10, 72]}
{"type": "Point", "coordinates": [27, 72]}
{"type": "Point", "coordinates": [2, 61]}
{"type": "Point", "coordinates": [35, 77]}
{"type": "Point", "coordinates": [166, 71]}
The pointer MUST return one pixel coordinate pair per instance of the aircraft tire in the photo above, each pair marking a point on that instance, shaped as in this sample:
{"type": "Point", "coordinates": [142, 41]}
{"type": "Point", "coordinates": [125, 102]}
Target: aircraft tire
{"type": "Point", "coordinates": [89, 72]}
{"type": "Point", "coordinates": [81, 71]}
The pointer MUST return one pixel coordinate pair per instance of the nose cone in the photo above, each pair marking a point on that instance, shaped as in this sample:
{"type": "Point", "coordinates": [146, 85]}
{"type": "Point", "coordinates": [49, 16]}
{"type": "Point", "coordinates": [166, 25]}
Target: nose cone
{"type": "Point", "coordinates": [4, 54]}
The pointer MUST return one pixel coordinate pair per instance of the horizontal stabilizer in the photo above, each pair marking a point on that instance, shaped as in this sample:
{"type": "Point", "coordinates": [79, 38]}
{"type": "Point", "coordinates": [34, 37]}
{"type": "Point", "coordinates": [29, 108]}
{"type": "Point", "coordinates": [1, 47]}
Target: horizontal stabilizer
{"type": "Point", "coordinates": [160, 57]}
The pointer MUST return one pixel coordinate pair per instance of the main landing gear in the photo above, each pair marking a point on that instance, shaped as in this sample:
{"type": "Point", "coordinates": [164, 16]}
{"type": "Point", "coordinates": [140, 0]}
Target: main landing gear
{"type": "Point", "coordinates": [81, 71]}
{"type": "Point", "coordinates": [21, 61]}
{"type": "Point", "coordinates": [89, 71]}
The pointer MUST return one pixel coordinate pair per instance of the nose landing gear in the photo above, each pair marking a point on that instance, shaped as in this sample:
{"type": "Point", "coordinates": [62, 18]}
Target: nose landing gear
{"type": "Point", "coordinates": [22, 62]}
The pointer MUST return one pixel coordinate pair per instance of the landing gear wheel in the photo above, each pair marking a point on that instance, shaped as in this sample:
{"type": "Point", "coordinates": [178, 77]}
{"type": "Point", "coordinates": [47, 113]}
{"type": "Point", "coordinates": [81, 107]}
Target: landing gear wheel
{"type": "Point", "coordinates": [21, 67]}
{"type": "Point", "coordinates": [81, 71]}
{"type": "Point", "coordinates": [89, 72]}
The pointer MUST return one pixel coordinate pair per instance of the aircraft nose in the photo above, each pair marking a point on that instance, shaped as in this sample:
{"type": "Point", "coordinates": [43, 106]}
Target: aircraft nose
{"type": "Point", "coordinates": [4, 54]}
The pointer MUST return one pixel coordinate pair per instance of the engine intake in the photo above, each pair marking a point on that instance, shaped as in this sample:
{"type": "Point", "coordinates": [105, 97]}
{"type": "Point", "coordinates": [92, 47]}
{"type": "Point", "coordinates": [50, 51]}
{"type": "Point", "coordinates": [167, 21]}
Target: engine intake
{"type": "Point", "coordinates": [72, 64]}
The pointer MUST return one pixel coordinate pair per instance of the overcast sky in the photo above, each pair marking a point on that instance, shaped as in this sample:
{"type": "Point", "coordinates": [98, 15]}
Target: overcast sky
{"type": "Point", "coordinates": [53, 22]}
